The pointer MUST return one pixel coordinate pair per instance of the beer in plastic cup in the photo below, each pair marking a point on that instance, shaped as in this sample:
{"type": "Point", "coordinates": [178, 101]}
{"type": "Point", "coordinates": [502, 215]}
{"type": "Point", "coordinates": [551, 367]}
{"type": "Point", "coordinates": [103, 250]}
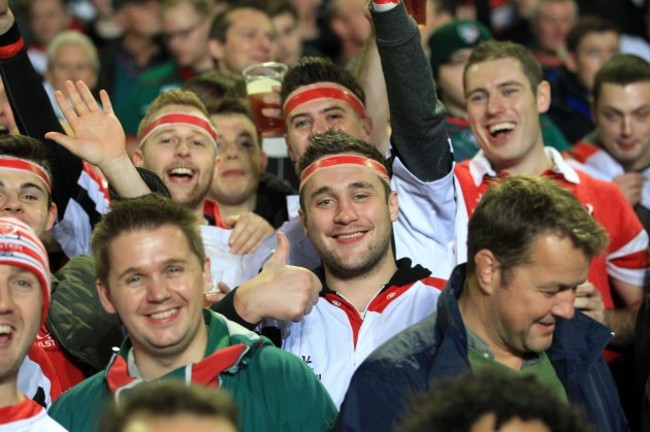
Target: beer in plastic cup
{"type": "Point", "coordinates": [418, 10]}
{"type": "Point", "coordinates": [260, 79]}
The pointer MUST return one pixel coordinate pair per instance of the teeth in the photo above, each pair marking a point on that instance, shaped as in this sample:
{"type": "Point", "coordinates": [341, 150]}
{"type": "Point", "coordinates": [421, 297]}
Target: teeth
{"type": "Point", "coordinates": [163, 315]}
{"type": "Point", "coordinates": [181, 171]}
{"type": "Point", "coordinates": [5, 329]}
{"type": "Point", "coordinates": [501, 127]}
{"type": "Point", "coordinates": [347, 236]}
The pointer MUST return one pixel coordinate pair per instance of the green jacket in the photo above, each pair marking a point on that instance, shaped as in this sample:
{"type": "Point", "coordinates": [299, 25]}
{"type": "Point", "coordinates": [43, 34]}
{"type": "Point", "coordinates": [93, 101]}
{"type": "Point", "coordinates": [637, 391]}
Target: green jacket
{"type": "Point", "coordinates": [273, 389]}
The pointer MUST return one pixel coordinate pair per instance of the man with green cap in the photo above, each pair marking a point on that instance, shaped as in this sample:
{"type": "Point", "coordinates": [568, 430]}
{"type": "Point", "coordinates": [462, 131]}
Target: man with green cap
{"type": "Point", "coordinates": [451, 46]}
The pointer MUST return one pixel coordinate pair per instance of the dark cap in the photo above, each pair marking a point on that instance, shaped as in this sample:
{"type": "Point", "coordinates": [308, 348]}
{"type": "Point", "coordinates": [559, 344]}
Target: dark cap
{"type": "Point", "coordinates": [455, 35]}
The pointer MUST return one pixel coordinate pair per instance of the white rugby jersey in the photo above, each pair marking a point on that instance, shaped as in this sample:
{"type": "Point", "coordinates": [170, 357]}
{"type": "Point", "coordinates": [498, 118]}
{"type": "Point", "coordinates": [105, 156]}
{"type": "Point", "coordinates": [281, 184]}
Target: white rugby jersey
{"type": "Point", "coordinates": [335, 338]}
{"type": "Point", "coordinates": [27, 416]}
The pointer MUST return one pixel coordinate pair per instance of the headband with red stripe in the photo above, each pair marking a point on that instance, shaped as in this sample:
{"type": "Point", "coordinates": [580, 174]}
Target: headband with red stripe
{"type": "Point", "coordinates": [338, 161]}
{"type": "Point", "coordinates": [322, 90]}
{"type": "Point", "coordinates": [13, 163]}
{"type": "Point", "coordinates": [20, 247]}
{"type": "Point", "coordinates": [176, 118]}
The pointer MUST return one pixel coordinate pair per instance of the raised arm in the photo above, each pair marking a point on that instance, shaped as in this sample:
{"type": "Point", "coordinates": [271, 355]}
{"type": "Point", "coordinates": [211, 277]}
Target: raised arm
{"type": "Point", "coordinates": [98, 138]}
{"type": "Point", "coordinates": [419, 136]}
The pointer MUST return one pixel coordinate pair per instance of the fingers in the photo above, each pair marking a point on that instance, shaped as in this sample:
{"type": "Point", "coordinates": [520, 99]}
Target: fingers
{"type": "Point", "coordinates": [249, 232]}
{"type": "Point", "coordinates": [63, 140]}
{"type": "Point", "coordinates": [106, 102]}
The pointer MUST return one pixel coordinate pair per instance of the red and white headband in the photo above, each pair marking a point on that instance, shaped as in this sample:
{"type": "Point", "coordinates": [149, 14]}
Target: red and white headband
{"type": "Point", "coordinates": [196, 121]}
{"type": "Point", "coordinates": [338, 161]}
{"type": "Point", "coordinates": [322, 90]}
{"type": "Point", "coordinates": [20, 247]}
{"type": "Point", "coordinates": [17, 164]}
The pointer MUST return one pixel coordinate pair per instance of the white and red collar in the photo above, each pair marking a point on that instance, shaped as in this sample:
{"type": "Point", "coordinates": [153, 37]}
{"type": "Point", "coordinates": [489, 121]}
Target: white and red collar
{"type": "Point", "coordinates": [479, 167]}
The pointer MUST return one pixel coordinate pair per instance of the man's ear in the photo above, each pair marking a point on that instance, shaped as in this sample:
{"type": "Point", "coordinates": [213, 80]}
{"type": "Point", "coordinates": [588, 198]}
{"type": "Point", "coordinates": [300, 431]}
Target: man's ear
{"type": "Point", "coordinates": [51, 216]}
{"type": "Point", "coordinates": [137, 157]}
{"type": "Point", "coordinates": [215, 48]}
{"type": "Point", "coordinates": [207, 275]}
{"type": "Point", "coordinates": [543, 96]}
{"type": "Point", "coordinates": [264, 161]}
{"type": "Point", "coordinates": [393, 205]}
{"type": "Point", "coordinates": [488, 271]}
{"type": "Point", "coordinates": [303, 219]}
{"type": "Point", "coordinates": [105, 297]}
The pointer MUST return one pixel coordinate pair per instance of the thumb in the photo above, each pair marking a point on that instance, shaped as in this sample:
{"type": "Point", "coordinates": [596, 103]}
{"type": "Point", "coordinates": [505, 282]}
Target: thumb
{"type": "Point", "coordinates": [281, 253]}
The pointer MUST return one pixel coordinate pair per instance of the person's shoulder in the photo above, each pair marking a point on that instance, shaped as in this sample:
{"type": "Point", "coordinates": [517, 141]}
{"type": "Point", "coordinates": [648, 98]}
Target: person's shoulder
{"type": "Point", "coordinates": [413, 346]}
{"type": "Point", "coordinates": [89, 388]}
{"type": "Point", "coordinates": [83, 404]}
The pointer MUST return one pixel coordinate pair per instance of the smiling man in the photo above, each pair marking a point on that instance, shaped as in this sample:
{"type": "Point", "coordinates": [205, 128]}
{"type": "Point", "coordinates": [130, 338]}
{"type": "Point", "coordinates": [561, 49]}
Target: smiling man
{"type": "Point", "coordinates": [347, 208]}
{"type": "Point", "coordinates": [509, 309]}
{"type": "Point", "coordinates": [619, 148]}
{"type": "Point", "coordinates": [152, 271]}
{"type": "Point", "coordinates": [240, 182]}
{"type": "Point", "coordinates": [505, 95]}
{"type": "Point", "coordinates": [24, 301]}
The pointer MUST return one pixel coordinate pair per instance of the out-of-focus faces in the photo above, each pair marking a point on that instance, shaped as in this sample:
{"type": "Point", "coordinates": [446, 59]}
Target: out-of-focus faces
{"type": "Point", "coordinates": [187, 34]}
{"type": "Point", "coordinates": [622, 114]}
{"type": "Point", "coordinates": [450, 80]}
{"type": "Point", "coordinates": [592, 52]}
{"type": "Point", "coordinates": [240, 161]}
{"type": "Point", "coordinates": [183, 158]}
{"type": "Point", "coordinates": [554, 21]}
{"type": "Point", "coordinates": [71, 62]}
{"type": "Point", "coordinates": [47, 18]}
{"type": "Point", "coordinates": [250, 39]}
{"type": "Point", "coordinates": [351, 24]}
{"type": "Point", "coordinates": [141, 17]}
{"type": "Point", "coordinates": [21, 301]}
{"type": "Point", "coordinates": [503, 112]}
{"type": "Point", "coordinates": [287, 38]}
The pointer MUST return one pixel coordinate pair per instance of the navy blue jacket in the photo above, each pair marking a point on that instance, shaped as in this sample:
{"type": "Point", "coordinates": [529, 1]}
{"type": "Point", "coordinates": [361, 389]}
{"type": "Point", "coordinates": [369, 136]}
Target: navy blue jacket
{"type": "Point", "coordinates": [436, 348]}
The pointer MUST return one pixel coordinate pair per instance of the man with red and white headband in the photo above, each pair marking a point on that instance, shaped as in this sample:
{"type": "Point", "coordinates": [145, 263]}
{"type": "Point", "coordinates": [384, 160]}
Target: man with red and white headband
{"type": "Point", "coordinates": [317, 95]}
{"type": "Point", "coordinates": [24, 301]}
{"type": "Point", "coordinates": [347, 208]}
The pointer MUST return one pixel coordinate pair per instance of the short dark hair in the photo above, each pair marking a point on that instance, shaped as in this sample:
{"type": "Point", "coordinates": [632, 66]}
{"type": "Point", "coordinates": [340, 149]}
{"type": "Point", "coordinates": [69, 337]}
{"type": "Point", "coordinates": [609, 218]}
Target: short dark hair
{"type": "Point", "coordinates": [496, 50]}
{"type": "Point", "coordinates": [148, 212]}
{"type": "Point", "coordinates": [311, 70]}
{"type": "Point", "coordinates": [279, 7]}
{"type": "Point", "coordinates": [457, 403]}
{"type": "Point", "coordinates": [167, 399]}
{"type": "Point", "coordinates": [622, 69]}
{"type": "Point", "coordinates": [212, 86]}
{"type": "Point", "coordinates": [516, 211]}
{"type": "Point", "coordinates": [587, 25]}
{"type": "Point", "coordinates": [221, 22]}
{"type": "Point", "coordinates": [28, 148]}
{"type": "Point", "coordinates": [333, 142]}
{"type": "Point", "coordinates": [231, 105]}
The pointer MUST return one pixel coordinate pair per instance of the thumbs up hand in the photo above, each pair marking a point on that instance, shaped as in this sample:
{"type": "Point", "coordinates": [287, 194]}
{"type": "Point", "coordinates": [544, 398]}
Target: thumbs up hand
{"type": "Point", "coordinates": [280, 291]}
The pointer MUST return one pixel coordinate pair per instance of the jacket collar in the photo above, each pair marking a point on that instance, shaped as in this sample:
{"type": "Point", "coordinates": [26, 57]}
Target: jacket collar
{"type": "Point", "coordinates": [480, 166]}
{"type": "Point", "coordinates": [405, 274]}
{"type": "Point", "coordinates": [227, 351]}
